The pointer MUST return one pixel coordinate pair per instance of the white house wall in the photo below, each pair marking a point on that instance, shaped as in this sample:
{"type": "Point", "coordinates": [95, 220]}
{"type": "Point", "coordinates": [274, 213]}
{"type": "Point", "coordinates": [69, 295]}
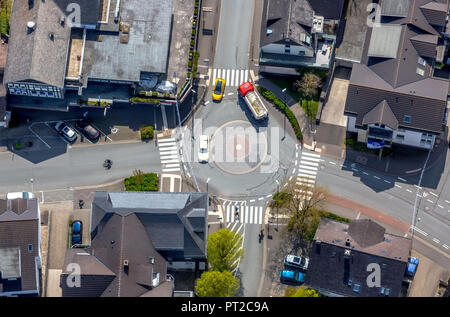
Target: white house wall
{"type": "Point", "coordinates": [351, 121]}
{"type": "Point", "coordinates": [280, 49]}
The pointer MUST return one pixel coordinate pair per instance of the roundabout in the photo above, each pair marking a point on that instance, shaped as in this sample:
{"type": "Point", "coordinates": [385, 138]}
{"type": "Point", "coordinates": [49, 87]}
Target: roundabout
{"type": "Point", "coordinates": [247, 159]}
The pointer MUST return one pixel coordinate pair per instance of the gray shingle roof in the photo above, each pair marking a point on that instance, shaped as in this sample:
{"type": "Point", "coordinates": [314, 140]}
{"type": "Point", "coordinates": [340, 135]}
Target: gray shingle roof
{"type": "Point", "coordinates": [164, 215]}
{"type": "Point", "coordinates": [381, 114]}
{"type": "Point", "coordinates": [425, 44]}
{"type": "Point", "coordinates": [20, 230]}
{"type": "Point", "coordinates": [435, 12]}
{"type": "Point", "coordinates": [331, 270]}
{"type": "Point", "coordinates": [395, 8]}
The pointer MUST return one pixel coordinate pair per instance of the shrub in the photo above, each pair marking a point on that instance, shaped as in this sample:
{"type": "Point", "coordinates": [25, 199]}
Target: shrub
{"type": "Point", "coordinates": [192, 43]}
{"type": "Point", "coordinates": [18, 146]}
{"type": "Point", "coordinates": [144, 100]}
{"type": "Point", "coordinates": [280, 105]}
{"type": "Point", "coordinates": [142, 182]}
{"type": "Point", "coordinates": [154, 94]}
{"type": "Point", "coordinates": [142, 93]}
{"type": "Point", "coordinates": [329, 215]}
{"type": "Point", "coordinates": [190, 64]}
{"type": "Point", "coordinates": [147, 132]}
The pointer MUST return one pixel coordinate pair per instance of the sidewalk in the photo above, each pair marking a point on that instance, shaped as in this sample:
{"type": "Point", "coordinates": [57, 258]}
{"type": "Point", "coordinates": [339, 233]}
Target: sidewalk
{"type": "Point", "coordinates": [303, 120]}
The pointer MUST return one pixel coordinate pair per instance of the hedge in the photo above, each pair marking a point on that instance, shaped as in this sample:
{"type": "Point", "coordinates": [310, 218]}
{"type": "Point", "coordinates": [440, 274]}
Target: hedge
{"type": "Point", "coordinates": [283, 107]}
{"type": "Point", "coordinates": [149, 182]}
{"type": "Point", "coordinates": [144, 100]}
{"type": "Point", "coordinates": [146, 132]}
{"type": "Point", "coordinates": [323, 214]}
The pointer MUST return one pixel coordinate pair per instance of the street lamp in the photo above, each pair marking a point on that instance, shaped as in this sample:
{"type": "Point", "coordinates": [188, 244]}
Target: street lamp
{"type": "Point", "coordinates": [207, 181]}
{"type": "Point", "coordinates": [278, 191]}
{"type": "Point", "coordinates": [32, 187]}
{"type": "Point", "coordinates": [284, 125]}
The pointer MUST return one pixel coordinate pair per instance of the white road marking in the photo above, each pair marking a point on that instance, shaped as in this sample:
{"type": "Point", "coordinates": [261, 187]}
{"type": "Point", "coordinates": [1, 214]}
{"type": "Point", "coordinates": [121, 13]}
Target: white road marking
{"type": "Point", "coordinates": [166, 140]}
{"type": "Point", "coordinates": [430, 201]}
{"type": "Point", "coordinates": [402, 179]}
{"type": "Point", "coordinates": [170, 169]}
{"type": "Point", "coordinates": [434, 194]}
{"type": "Point", "coordinates": [448, 202]}
{"type": "Point", "coordinates": [436, 240]}
{"type": "Point", "coordinates": [440, 206]}
{"type": "Point", "coordinates": [308, 163]}
{"type": "Point", "coordinates": [332, 163]}
{"type": "Point", "coordinates": [398, 186]}
{"type": "Point", "coordinates": [377, 177]}
{"type": "Point", "coordinates": [445, 246]}
{"type": "Point", "coordinates": [252, 200]}
{"type": "Point", "coordinates": [409, 190]}
{"type": "Point", "coordinates": [261, 198]}
{"type": "Point", "coordinates": [230, 93]}
{"type": "Point", "coordinates": [311, 154]}
{"type": "Point", "coordinates": [308, 168]}
{"type": "Point", "coordinates": [387, 181]}
{"type": "Point", "coordinates": [365, 173]}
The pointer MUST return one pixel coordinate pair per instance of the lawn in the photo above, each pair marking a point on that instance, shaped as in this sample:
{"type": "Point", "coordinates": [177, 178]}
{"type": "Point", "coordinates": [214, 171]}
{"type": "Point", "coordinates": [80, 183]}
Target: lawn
{"type": "Point", "coordinates": [142, 182]}
{"type": "Point", "coordinates": [297, 95]}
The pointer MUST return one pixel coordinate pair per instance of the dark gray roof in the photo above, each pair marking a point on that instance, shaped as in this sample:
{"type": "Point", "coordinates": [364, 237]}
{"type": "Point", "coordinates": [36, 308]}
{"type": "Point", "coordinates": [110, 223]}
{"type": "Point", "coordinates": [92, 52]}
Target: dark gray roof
{"type": "Point", "coordinates": [147, 48]}
{"type": "Point", "coordinates": [123, 237]}
{"type": "Point", "coordinates": [435, 12]}
{"type": "Point", "coordinates": [329, 9]}
{"type": "Point", "coordinates": [366, 232]}
{"type": "Point", "coordinates": [287, 19]}
{"type": "Point", "coordinates": [330, 269]}
{"type": "Point", "coordinates": [425, 44]}
{"type": "Point", "coordinates": [426, 114]}
{"type": "Point", "coordinates": [18, 230]}
{"type": "Point", "coordinates": [33, 55]}
{"type": "Point", "coordinates": [173, 221]}
{"type": "Point", "coordinates": [381, 114]}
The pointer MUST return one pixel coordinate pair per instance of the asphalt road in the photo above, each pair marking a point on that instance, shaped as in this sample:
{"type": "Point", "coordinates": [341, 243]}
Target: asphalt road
{"type": "Point", "coordinates": [78, 166]}
{"type": "Point", "coordinates": [392, 196]}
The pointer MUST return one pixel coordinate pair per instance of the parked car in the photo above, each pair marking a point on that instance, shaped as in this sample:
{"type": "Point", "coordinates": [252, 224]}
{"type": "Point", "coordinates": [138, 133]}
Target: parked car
{"type": "Point", "coordinates": [88, 130]}
{"type": "Point", "coordinates": [77, 232]}
{"type": "Point", "coordinates": [292, 276]}
{"type": "Point", "coordinates": [411, 269]}
{"type": "Point", "coordinates": [299, 262]}
{"type": "Point", "coordinates": [219, 87]}
{"type": "Point", "coordinates": [203, 152]}
{"type": "Point", "coordinates": [25, 195]}
{"type": "Point", "coordinates": [65, 131]}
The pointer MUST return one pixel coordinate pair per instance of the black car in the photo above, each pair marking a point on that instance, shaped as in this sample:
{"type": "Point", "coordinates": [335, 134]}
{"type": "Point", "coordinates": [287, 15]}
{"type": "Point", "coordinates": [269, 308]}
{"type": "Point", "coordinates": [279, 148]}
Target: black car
{"type": "Point", "coordinates": [77, 232]}
{"type": "Point", "coordinates": [88, 130]}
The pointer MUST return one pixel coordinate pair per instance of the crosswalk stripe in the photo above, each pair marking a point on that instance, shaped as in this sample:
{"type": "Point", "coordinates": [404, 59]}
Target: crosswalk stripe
{"type": "Point", "coordinates": [309, 163]}
{"type": "Point", "coordinates": [246, 211]}
{"type": "Point", "coordinates": [228, 213]}
{"type": "Point", "coordinates": [166, 140]}
{"type": "Point", "coordinates": [169, 161]}
{"type": "Point", "coordinates": [168, 149]}
{"type": "Point", "coordinates": [168, 152]}
{"type": "Point", "coordinates": [306, 175]}
{"type": "Point", "coordinates": [311, 159]}
{"type": "Point", "coordinates": [246, 75]}
{"type": "Point", "coordinates": [173, 165]}
{"type": "Point", "coordinates": [308, 172]}
{"type": "Point", "coordinates": [308, 167]}
{"type": "Point", "coordinates": [166, 157]}
{"type": "Point", "coordinates": [251, 215]}
{"type": "Point", "coordinates": [165, 145]}
{"type": "Point", "coordinates": [170, 169]}
{"type": "Point", "coordinates": [232, 77]}
{"type": "Point", "coordinates": [227, 79]}
{"type": "Point", "coordinates": [307, 180]}
{"type": "Point", "coordinates": [214, 75]}
{"type": "Point", "coordinates": [310, 154]}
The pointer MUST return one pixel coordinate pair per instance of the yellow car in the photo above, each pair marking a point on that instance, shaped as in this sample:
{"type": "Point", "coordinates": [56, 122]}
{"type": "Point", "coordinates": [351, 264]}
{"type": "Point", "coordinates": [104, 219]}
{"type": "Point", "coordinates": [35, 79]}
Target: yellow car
{"type": "Point", "coordinates": [219, 87]}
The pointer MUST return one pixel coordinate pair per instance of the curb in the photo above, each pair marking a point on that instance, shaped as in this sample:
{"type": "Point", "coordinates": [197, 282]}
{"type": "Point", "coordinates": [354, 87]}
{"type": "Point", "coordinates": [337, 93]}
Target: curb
{"type": "Point", "coordinates": [100, 185]}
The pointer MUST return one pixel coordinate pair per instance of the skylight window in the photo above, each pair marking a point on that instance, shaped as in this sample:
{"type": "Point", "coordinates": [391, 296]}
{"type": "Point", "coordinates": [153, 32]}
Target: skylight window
{"type": "Point", "coordinates": [420, 71]}
{"type": "Point", "coordinates": [422, 62]}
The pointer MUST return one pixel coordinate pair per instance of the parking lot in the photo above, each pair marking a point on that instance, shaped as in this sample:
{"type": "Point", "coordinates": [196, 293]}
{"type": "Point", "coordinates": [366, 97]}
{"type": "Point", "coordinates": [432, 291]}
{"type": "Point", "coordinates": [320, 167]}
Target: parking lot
{"type": "Point", "coordinates": [46, 132]}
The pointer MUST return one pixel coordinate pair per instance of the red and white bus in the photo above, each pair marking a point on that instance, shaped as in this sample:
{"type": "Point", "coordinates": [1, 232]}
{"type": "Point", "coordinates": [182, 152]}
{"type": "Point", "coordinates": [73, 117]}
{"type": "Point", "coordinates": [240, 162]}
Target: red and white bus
{"type": "Point", "coordinates": [253, 102]}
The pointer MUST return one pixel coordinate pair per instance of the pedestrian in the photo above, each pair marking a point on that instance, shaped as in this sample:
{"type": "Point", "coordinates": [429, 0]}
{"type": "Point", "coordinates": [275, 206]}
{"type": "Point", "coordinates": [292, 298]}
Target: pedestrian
{"type": "Point", "coordinates": [81, 203]}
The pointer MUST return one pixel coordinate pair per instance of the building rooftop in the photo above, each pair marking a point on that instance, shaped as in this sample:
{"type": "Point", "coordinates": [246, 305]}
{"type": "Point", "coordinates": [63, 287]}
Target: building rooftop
{"type": "Point", "coordinates": [144, 48]}
{"type": "Point", "coordinates": [341, 255]}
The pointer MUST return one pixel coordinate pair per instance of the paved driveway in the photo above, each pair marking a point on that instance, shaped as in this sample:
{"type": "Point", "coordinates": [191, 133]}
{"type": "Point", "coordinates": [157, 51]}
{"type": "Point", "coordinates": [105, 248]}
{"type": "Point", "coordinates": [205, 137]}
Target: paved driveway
{"type": "Point", "coordinates": [333, 112]}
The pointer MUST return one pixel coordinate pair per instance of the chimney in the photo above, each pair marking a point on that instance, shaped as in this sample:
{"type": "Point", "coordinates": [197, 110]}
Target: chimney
{"type": "Point", "coordinates": [347, 243]}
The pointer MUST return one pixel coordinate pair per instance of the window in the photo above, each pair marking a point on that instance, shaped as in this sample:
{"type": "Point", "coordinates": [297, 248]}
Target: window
{"type": "Point", "coordinates": [30, 248]}
{"type": "Point", "coordinates": [287, 49]}
{"type": "Point", "coordinates": [356, 288]}
{"type": "Point", "coordinates": [400, 137]}
{"type": "Point", "coordinates": [421, 72]}
{"type": "Point", "coordinates": [407, 119]}
{"type": "Point", "coordinates": [422, 62]}
{"type": "Point", "coordinates": [426, 140]}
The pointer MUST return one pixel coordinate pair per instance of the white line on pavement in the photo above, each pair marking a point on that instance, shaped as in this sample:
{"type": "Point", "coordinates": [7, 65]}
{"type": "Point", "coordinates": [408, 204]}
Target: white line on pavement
{"type": "Point", "coordinates": [445, 246]}
{"type": "Point", "coordinates": [430, 201]}
{"type": "Point", "coordinates": [448, 202]}
{"type": "Point", "coordinates": [398, 186]}
{"type": "Point", "coordinates": [332, 163]}
{"type": "Point", "coordinates": [260, 198]}
{"type": "Point", "coordinates": [402, 179]}
{"type": "Point", "coordinates": [311, 154]}
{"type": "Point", "coordinates": [434, 194]}
{"type": "Point", "coordinates": [409, 190]}
{"type": "Point", "coordinates": [377, 177]}
{"type": "Point", "coordinates": [436, 240]}
{"type": "Point", "coordinates": [365, 173]}
{"type": "Point", "coordinates": [387, 181]}
{"type": "Point", "coordinates": [440, 206]}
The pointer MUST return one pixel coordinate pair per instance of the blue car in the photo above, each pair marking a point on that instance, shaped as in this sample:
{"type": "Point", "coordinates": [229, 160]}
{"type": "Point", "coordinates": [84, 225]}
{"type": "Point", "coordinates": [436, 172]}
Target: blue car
{"type": "Point", "coordinates": [292, 276]}
{"type": "Point", "coordinates": [77, 231]}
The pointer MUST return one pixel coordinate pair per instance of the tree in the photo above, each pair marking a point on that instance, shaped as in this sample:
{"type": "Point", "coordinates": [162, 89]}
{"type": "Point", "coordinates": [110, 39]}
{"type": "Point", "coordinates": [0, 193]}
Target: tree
{"type": "Point", "coordinates": [138, 174]}
{"type": "Point", "coordinates": [217, 284]}
{"type": "Point", "coordinates": [309, 86]}
{"type": "Point", "coordinates": [303, 208]}
{"type": "Point", "coordinates": [224, 250]}
{"type": "Point", "coordinates": [300, 292]}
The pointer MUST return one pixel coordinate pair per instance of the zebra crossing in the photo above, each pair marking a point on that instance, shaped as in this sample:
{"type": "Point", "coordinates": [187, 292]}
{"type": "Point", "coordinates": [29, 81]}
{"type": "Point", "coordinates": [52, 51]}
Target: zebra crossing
{"type": "Point", "coordinates": [307, 172]}
{"type": "Point", "coordinates": [233, 77]}
{"type": "Point", "coordinates": [168, 151]}
{"type": "Point", "coordinates": [244, 214]}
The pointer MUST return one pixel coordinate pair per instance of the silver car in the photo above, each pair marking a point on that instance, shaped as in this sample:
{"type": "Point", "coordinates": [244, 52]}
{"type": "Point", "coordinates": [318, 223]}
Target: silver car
{"type": "Point", "coordinates": [65, 131]}
{"type": "Point", "coordinates": [299, 262]}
